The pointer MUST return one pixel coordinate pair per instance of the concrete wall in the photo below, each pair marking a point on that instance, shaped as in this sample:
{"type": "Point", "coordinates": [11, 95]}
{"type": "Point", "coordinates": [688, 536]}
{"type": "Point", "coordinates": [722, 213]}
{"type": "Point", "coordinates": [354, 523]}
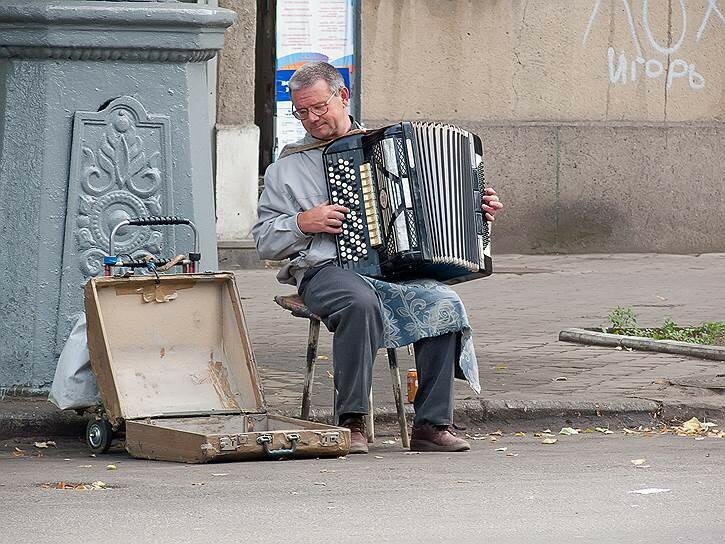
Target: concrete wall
{"type": "Point", "coordinates": [237, 136]}
{"type": "Point", "coordinates": [603, 120]}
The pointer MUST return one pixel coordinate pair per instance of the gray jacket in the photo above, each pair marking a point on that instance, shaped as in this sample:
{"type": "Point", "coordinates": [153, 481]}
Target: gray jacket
{"type": "Point", "coordinates": [294, 183]}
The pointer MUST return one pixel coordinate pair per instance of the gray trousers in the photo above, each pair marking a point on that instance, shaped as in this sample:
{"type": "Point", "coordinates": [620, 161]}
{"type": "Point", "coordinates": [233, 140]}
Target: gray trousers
{"type": "Point", "coordinates": [350, 309]}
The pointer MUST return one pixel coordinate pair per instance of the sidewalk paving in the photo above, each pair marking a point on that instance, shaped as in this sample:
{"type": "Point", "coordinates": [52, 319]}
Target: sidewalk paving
{"type": "Point", "coordinates": [516, 315]}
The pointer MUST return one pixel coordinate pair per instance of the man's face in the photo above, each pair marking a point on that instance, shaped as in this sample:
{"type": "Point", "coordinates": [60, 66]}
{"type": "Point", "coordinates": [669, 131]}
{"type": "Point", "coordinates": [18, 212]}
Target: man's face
{"type": "Point", "coordinates": [331, 124]}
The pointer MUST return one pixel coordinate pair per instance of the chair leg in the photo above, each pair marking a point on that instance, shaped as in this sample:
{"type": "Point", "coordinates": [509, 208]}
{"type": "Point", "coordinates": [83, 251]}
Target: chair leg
{"type": "Point", "coordinates": [334, 406]}
{"type": "Point", "coordinates": [370, 418]}
{"type": "Point", "coordinates": [312, 340]}
{"type": "Point", "coordinates": [398, 395]}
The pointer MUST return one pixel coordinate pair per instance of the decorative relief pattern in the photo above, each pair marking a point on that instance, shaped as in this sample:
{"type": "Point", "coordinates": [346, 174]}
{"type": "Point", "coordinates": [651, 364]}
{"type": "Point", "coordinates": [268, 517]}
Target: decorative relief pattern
{"type": "Point", "coordinates": [96, 53]}
{"type": "Point", "coordinates": [120, 157]}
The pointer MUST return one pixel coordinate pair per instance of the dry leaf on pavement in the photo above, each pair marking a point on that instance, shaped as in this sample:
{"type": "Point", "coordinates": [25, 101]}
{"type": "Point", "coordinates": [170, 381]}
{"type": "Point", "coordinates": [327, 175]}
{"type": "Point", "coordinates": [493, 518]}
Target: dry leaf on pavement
{"type": "Point", "coordinates": [549, 441]}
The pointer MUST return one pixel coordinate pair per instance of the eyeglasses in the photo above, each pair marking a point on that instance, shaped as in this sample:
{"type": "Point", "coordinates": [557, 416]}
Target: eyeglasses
{"type": "Point", "coordinates": [319, 109]}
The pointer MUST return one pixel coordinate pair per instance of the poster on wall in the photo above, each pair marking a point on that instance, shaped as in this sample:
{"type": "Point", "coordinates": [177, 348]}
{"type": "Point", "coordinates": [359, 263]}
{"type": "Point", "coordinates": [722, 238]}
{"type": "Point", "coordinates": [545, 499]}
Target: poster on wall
{"type": "Point", "coordinates": [307, 31]}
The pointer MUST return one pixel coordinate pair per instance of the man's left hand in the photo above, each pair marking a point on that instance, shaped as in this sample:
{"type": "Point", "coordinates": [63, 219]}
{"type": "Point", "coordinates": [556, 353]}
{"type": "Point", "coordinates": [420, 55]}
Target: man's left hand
{"type": "Point", "coordinates": [491, 204]}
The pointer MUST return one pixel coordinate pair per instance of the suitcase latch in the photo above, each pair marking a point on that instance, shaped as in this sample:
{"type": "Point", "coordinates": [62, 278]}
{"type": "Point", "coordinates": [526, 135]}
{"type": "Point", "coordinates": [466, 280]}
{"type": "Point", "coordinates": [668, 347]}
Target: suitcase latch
{"type": "Point", "coordinates": [330, 439]}
{"type": "Point", "coordinates": [232, 443]}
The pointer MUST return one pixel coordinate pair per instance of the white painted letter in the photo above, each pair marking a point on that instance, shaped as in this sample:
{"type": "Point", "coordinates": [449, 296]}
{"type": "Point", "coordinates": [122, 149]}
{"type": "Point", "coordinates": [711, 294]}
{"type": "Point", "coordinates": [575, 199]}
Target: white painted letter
{"type": "Point", "coordinates": [697, 81]}
{"type": "Point", "coordinates": [649, 68]}
{"type": "Point", "coordinates": [618, 75]}
{"type": "Point", "coordinates": [712, 7]}
{"type": "Point", "coordinates": [648, 29]}
{"type": "Point", "coordinates": [672, 73]}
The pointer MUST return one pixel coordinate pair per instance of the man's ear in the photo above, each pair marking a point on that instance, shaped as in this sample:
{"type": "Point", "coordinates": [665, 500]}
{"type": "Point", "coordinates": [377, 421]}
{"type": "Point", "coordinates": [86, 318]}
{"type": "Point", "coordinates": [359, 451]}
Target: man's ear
{"type": "Point", "coordinates": [345, 95]}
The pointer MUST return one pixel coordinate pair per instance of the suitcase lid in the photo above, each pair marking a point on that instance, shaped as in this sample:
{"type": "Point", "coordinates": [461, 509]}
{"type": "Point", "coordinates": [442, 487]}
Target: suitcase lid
{"type": "Point", "coordinates": [171, 347]}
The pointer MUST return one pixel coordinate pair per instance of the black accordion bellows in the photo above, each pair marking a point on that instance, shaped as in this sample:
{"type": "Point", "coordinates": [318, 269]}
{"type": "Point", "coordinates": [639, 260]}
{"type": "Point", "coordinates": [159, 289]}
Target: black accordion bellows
{"type": "Point", "coordinates": [414, 190]}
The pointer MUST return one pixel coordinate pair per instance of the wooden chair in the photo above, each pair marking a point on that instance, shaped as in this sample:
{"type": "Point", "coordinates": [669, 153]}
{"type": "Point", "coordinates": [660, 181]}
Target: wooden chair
{"type": "Point", "coordinates": [296, 306]}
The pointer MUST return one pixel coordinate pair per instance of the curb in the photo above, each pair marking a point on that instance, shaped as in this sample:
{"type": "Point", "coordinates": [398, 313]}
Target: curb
{"type": "Point", "coordinates": [48, 422]}
{"type": "Point", "coordinates": [41, 420]}
{"type": "Point", "coordinates": [627, 412]}
{"type": "Point", "coordinates": [594, 338]}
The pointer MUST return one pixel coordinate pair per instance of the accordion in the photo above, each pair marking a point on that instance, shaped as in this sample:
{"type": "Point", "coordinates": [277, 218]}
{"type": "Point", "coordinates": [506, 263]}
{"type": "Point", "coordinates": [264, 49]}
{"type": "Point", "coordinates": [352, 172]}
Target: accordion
{"type": "Point", "coordinates": [414, 191]}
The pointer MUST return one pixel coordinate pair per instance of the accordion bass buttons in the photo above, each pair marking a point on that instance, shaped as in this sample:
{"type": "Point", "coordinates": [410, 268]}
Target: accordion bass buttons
{"type": "Point", "coordinates": [370, 204]}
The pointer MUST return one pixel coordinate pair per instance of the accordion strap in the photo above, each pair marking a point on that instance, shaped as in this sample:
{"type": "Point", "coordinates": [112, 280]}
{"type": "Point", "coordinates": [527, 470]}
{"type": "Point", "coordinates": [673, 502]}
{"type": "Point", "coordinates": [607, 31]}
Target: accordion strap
{"type": "Point", "coordinates": [321, 143]}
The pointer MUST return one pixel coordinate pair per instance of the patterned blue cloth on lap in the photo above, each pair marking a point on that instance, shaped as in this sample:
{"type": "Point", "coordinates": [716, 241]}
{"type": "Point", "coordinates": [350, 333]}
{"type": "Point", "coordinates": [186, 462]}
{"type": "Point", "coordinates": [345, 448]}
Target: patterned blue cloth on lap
{"type": "Point", "coordinates": [423, 308]}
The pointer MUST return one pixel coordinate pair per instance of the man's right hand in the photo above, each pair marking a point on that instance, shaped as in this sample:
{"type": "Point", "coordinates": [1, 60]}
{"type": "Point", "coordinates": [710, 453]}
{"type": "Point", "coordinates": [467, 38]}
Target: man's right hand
{"type": "Point", "coordinates": [323, 218]}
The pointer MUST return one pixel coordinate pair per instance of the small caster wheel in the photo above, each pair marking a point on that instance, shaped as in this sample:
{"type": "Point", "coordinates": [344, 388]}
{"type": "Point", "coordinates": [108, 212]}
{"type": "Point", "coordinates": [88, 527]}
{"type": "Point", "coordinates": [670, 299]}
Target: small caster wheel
{"type": "Point", "coordinates": [99, 435]}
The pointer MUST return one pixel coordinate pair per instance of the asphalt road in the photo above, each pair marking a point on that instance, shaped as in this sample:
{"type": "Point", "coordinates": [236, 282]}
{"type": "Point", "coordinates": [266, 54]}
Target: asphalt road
{"type": "Point", "coordinates": [580, 489]}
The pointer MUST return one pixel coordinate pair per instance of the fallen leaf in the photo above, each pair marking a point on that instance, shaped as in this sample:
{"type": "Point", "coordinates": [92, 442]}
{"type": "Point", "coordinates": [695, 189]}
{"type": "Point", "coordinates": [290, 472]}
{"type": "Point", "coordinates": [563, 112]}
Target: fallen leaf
{"type": "Point", "coordinates": [603, 430]}
{"type": "Point", "coordinates": [323, 358]}
{"type": "Point", "coordinates": [463, 481]}
{"type": "Point", "coordinates": [560, 379]}
{"type": "Point", "coordinates": [475, 437]}
{"type": "Point", "coordinates": [85, 466]}
{"type": "Point", "coordinates": [549, 441]}
{"type": "Point", "coordinates": [329, 375]}
{"type": "Point", "coordinates": [496, 433]}
{"type": "Point", "coordinates": [519, 434]}
{"type": "Point", "coordinates": [638, 461]}
{"type": "Point", "coordinates": [512, 454]}
{"type": "Point", "coordinates": [567, 431]}
{"type": "Point", "coordinates": [378, 457]}
{"type": "Point", "coordinates": [220, 474]}
{"type": "Point", "coordinates": [388, 441]}
{"type": "Point", "coordinates": [40, 444]}
{"type": "Point", "coordinates": [625, 430]}
{"type": "Point", "coordinates": [501, 449]}
{"type": "Point", "coordinates": [493, 439]}
{"type": "Point", "coordinates": [323, 484]}
{"type": "Point", "coordinates": [650, 491]}
{"type": "Point", "coordinates": [500, 367]}
{"type": "Point", "coordinates": [111, 467]}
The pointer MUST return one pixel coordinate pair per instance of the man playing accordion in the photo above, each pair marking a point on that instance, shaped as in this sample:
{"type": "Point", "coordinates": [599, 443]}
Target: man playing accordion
{"type": "Point", "coordinates": [296, 221]}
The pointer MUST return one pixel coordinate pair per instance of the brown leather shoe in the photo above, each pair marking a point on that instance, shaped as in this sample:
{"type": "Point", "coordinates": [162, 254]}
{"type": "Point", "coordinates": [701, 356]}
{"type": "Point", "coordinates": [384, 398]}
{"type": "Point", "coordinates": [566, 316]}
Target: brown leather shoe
{"type": "Point", "coordinates": [358, 436]}
{"type": "Point", "coordinates": [427, 437]}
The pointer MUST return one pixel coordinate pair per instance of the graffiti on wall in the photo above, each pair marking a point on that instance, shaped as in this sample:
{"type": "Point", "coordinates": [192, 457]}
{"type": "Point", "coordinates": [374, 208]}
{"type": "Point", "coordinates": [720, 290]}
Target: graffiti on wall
{"type": "Point", "coordinates": [649, 57]}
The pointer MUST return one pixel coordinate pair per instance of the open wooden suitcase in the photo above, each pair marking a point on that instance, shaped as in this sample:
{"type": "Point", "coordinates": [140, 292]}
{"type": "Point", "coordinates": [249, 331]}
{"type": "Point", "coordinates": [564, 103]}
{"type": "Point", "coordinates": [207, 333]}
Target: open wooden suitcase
{"type": "Point", "coordinates": [174, 363]}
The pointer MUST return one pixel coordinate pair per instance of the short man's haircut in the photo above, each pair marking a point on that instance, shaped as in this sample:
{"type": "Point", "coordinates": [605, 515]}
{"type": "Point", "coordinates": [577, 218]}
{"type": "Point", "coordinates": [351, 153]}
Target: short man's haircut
{"type": "Point", "coordinates": [312, 72]}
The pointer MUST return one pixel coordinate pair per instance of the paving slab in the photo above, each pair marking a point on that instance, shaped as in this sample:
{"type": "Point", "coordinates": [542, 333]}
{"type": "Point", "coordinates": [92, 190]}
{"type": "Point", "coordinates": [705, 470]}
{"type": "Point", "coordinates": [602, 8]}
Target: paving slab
{"type": "Point", "coordinates": [516, 316]}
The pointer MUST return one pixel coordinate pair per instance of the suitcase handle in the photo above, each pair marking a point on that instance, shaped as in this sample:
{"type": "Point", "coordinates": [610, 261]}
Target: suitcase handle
{"type": "Point", "coordinates": [266, 439]}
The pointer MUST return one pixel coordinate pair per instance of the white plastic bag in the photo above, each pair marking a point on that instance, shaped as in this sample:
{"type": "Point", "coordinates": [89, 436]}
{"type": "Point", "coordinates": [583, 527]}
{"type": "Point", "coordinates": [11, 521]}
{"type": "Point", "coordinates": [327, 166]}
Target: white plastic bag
{"type": "Point", "coordinates": [74, 385]}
